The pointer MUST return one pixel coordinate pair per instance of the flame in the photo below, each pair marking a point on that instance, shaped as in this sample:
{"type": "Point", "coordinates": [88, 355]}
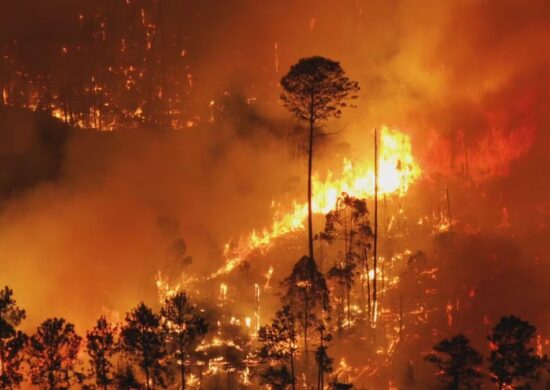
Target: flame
{"type": "Point", "coordinates": [167, 288]}
{"type": "Point", "coordinates": [223, 292]}
{"type": "Point", "coordinates": [539, 350]}
{"type": "Point", "coordinates": [268, 276]}
{"type": "Point", "coordinates": [490, 156]}
{"type": "Point", "coordinates": [248, 322]}
{"type": "Point", "coordinates": [397, 171]}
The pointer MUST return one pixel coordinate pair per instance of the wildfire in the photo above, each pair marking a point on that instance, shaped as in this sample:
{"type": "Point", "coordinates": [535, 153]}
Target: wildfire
{"type": "Point", "coordinates": [397, 171]}
{"type": "Point", "coordinates": [166, 287]}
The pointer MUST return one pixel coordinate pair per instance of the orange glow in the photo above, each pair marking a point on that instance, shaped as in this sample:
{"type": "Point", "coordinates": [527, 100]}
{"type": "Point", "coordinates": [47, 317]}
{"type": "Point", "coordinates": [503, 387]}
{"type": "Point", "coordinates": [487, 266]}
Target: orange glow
{"type": "Point", "coordinates": [397, 171]}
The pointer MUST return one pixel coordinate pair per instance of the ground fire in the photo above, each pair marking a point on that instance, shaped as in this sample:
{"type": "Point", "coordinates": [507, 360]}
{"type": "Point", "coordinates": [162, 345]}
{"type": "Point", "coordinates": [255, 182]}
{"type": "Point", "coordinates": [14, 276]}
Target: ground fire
{"type": "Point", "coordinates": [283, 195]}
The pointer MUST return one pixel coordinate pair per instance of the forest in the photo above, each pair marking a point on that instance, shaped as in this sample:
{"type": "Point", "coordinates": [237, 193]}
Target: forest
{"type": "Point", "coordinates": [282, 195]}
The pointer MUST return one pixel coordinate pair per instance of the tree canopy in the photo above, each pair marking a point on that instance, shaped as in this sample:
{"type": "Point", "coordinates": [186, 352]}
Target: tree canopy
{"type": "Point", "coordinates": [101, 345]}
{"type": "Point", "coordinates": [144, 341]}
{"type": "Point", "coordinates": [53, 355]}
{"type": "Point", "coordinates": [316, 89]}
{"type": "Point", "coordinates": [513, 360]}
{"type": "Point", "coordinates": [12, 340]}
{"type": "Point", "coordinates": [458, 363]}
{"type": "Point", "coordinates": [184, 328]}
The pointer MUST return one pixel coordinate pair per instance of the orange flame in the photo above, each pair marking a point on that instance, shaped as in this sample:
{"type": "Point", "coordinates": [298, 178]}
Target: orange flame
{"type": "Point", "coordinates": [397, 171]}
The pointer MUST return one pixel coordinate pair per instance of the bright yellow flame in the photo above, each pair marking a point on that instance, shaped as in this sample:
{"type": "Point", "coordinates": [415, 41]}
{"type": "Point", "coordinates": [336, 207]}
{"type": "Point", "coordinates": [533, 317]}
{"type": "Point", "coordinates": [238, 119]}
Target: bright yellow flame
{"type": "Point", "coordinates": [397, 171]}
{"type": "Point", "coordinates": [167, 288]}
{"type": "Point", "coordinates": [58, 113]}
{"type": "Point", "coordinates": [223, 291]}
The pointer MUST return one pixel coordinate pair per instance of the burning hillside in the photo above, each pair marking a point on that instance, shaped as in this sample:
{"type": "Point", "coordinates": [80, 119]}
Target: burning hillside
{"type": "Point", "coordinates": [242, 195]}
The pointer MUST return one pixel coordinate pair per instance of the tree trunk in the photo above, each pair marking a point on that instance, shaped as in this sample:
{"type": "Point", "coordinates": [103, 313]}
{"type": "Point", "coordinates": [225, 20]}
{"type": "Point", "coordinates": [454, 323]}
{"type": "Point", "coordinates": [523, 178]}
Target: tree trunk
{"type": "Point", "coordinates": [369, 295]}
{"type": "Point", "coordinates": [2, 367]}
{"type": "Point", "coordinates": [104, 375]}
{"type": "Point", "coordinates": [319, 378]}
{"type": "Point", "coordinates": [340, 307]}
{"type": "Point", "coordinates": [321, 364]}
{"type": "Point", "coordinates": [364, 275]}
{"type": "Point", "coordinates": [292, 369]}
{"type": "Point", "coordinates": [147, 378]}
{"type": "Point", "coordinates": [306, 326]}
{"type": "Point", "coordinates": [375, 249]}
{"type": "Point", "coordinates": [349, 255]}
{"type": "Point", "coordinates": [454, 385]}
{"type": "Point", "coordinates": [51, 379]}
{"type": "Point", "coordinates": [309, 191]}
{"type": "Point", "coordinates": [309, 222]}
{"type": "Point", "coordinates": [348, 304]}
{"type": "Point", "coordinates": [182, 370]}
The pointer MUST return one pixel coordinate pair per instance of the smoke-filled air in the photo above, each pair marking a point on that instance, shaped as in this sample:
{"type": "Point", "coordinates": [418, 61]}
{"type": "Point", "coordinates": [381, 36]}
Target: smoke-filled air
{"type": "Point", "coordinates": [286, 195]}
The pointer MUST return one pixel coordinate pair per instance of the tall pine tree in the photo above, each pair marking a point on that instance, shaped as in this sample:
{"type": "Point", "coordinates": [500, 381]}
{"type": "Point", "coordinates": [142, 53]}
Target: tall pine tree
{"type": "Point", "coordinates": [513, 360]}
{"type": "Point", "coordinates": [144, 341]}
{"type": "Point", "coordinates": [53, 355]}
{"type": "Point", "coordinates": [12, 341]}
{"type": "Point", "coordinates": [101, 346]}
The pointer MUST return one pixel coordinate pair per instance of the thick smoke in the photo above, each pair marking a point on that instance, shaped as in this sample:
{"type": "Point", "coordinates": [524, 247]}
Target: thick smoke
{"type": "Point", "coordinates": [96, 236]}
{"type": "Point", "coordinates": [469, 81]}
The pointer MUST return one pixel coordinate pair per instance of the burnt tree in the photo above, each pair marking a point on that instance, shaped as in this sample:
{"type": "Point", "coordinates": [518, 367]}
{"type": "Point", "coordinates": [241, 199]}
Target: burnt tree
{"type": "Point", "coordinates": [314, 90]}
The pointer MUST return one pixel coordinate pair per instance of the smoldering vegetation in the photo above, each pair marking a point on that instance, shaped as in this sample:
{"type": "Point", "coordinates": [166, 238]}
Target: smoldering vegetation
{"type": "Point", "coordinates": [88, 218]}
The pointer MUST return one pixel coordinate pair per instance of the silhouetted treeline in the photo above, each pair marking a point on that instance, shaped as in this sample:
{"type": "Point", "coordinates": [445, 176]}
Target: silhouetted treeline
{"type": "Point", "coordinates": [146, 350]}
{"type": "Point", "coordinates": [167, 349]}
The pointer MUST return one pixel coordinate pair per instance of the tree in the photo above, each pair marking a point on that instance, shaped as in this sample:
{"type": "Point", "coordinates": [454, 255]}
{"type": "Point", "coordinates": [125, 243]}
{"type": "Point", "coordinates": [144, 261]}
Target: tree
{"type": "Point", "coordinates": [314, 90]}
{"type": "Point", "coordinates": [12, 341]}
{"type": "Point", "coordinates": [143, 339]}
{"type": "Point", "coordinates": [307, 296]}
{"type": "Point", "coordinates": [185, 328]}
{"type": "Point", "coordinates": [459, 369]}
{"type": "Point", "coordinates": [324, 362]}
{"type": "Point", "coordinates": [101, 346]}
{"type": "Point", "coordinates": [125, 378]}
{"type": "Point", "coordinates": [53, 355]}
{"type": "Point", "coordinates": [277, 377]}
{"type": "Point", "coordinates": [279, 345]}
{"type": "Point", "coordinates": [342, 274]}
{"type": "Point", "coordinates": [513, 361]}
{"type": "Point", "coordinates": [348, 223]}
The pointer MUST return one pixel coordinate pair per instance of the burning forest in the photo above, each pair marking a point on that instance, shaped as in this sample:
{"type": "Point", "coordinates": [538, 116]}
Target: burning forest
{"type": "Point", "coordinates": [310, 194]}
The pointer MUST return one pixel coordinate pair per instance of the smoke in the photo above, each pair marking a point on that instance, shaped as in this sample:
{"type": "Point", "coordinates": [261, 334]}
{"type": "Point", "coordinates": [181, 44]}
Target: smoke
{"type": "Point", "coordinates": [468, 80]}
{"type": "Point", "coordinates": [95, 236]}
